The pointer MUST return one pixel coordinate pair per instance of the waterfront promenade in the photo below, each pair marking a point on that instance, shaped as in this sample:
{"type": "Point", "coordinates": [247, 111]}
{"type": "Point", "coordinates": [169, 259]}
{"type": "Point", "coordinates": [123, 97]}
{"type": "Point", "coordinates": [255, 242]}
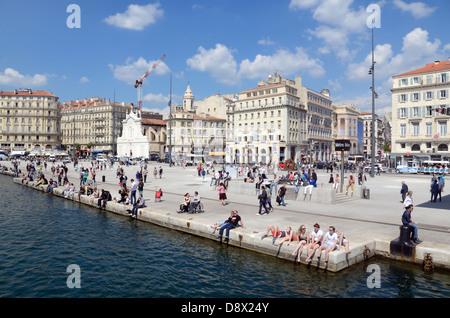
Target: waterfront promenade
{"type": "Point", "coordinates": [361, 220]}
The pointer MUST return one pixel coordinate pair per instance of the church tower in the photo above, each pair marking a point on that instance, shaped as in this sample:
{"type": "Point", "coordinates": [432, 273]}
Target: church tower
{"type": "Point", "coordinates": [188, 100]}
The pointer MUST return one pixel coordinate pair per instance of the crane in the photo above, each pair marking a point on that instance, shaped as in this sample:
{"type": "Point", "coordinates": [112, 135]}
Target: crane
{"type": "Point", "coordinates": [138, 83]}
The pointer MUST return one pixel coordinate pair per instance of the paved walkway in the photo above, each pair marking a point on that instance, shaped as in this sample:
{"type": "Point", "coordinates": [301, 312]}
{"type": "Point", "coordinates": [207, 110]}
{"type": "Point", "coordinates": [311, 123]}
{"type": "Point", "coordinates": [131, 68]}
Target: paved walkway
{"type": "Point", "coordinates": [381, 215]}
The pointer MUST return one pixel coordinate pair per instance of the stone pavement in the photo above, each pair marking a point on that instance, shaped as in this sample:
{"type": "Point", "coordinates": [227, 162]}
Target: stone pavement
{"type": "Point", "coordinates": [380, 216]}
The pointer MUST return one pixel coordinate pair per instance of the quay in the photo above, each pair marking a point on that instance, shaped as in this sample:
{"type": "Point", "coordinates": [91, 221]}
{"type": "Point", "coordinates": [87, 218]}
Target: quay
{"type": "Point", "coordinates": [369, 224]}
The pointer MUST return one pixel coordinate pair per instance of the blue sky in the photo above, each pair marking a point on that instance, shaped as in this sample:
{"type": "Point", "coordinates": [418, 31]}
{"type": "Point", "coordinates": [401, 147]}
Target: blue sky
{"type": "Point", "coordinates": [216, 46]}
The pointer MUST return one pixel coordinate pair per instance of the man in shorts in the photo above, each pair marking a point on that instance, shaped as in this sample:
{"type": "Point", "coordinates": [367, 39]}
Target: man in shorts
{"type": "Point", "coordinates": [315, 241]}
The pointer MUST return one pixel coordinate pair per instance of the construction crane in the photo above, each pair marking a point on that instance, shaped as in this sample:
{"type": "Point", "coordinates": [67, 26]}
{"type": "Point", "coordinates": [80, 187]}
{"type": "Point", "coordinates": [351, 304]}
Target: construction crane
{"type": "Point", "coordinates": [138, 83]}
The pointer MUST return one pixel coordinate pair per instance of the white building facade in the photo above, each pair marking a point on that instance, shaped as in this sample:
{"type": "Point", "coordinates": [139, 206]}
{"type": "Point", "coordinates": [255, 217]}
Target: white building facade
{"type": "Point", "coordinates": [420, 113]}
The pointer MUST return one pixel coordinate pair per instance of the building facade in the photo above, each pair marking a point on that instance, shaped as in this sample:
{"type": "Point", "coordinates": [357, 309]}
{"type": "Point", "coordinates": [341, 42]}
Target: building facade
{"type": "Point", "coordinates": [268, 123]}
{"type": "Point", "coordinates": [92, 125]}
{"type": "Point", "coordinates": [346, 125]}
{"type": "Point", "coordinates": [319, 122]}
{"type": "Point", "coordinates": [420, 113]}
{"type": "Point", "coordinates": [367, 135]}
{"type": "Point", "coordinates": [30, 122]}
{"type": "Point", "coordinates": [193, 134]}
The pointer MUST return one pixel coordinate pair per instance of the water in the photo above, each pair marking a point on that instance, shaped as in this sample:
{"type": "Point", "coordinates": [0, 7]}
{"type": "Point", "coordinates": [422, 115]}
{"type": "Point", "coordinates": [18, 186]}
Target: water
{"type": "Point", "coordinates": [41, 235]}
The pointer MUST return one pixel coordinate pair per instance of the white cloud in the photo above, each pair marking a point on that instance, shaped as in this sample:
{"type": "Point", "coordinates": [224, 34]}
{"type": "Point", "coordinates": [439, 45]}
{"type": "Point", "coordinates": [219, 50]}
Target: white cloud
{"type": "Point", "coordinates": [12, 77]}
{"type": "Point", "coordinates": [136, 17]}
{"type": "Point", "coordinates": [218, 61]}
{"type": "Point", "coordinates": [417, 9]}
{"type": "Point", "coordinates": [337, 22]}
{"type": "Point", "coordinates": [84, 79]}
{"type": "Point", "coordinates": [417, 50]}
{"type": "Point", "coordinates": [302, 4]}
{"type": "Point", "coordinates": [222, 66]}
{"type": "Point", "coordinates": [133, 70]}
{"type": "Point", "coordinates": [266, 41]}
{"type": "Point", "coordinates": [282, 61]}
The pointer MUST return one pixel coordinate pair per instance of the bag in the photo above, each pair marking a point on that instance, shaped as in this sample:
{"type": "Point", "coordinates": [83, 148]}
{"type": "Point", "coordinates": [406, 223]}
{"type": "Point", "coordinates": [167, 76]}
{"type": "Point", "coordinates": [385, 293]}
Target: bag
{"type": "Point", "coordinates": [278, 199]}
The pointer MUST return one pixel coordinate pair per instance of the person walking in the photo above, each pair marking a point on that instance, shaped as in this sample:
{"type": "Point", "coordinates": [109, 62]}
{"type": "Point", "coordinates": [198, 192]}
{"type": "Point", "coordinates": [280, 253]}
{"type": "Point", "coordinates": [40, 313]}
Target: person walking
{"type": "Point", "coordinates": [408, 200]}
{"type": "Point", "coordinates": [160, 172]}
{"type": "Point", "coordinates": [434, 191]}
{"type": "Point", "coordinates": [262, 201]}
{"type": "Point", "coordinates": [404, 191]}
{"type": "Point", "coordinates": [221, 191]}
{"type": "Point", "coordinates": [281, 193]}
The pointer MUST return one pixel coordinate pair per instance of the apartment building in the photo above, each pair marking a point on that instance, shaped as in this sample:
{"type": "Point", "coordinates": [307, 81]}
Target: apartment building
{"type": "Point", "coordinates": [92, 125]}
{"type": "Point", "coordinates": [319, 122]}
{"type": "Point", "coordinates": [268, 123]}
{"type": "Point", "coordinates": [347, 124]}
{"type": "Point", "coordinates": [367, 134]}
{"type": "Point", "coordinates": [420, 113]}
{"type": "Point", "coordinates": [194, 133]}
{"type": "Point", "coordinates": [29, 122]}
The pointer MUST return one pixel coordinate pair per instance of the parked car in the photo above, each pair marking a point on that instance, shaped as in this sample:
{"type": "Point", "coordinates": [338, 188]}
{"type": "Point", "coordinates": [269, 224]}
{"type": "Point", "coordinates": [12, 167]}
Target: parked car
{"type": "Point", "coordinates": [154, 157]}
{"type": "Point", "coordinates": [3, 157]}
{"type": "Point", "coordinates": [382, 168]}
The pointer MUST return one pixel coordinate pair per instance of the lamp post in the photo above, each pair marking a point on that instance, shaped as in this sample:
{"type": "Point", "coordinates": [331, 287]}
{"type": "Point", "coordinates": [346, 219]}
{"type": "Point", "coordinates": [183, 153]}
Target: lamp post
{"type": "Point", "coordinates": [170, 123]}
{"type": "Point", "coordinates": [374, 95]}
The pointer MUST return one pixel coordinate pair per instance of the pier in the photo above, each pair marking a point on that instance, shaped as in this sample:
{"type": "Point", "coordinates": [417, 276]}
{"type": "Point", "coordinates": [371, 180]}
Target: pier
{"type": "Point", "coordinates": [369, 224]}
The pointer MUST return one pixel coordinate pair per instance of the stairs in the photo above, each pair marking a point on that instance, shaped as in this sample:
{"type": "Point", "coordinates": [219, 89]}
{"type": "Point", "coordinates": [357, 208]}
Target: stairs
{"type": "Point", "coordinates": [342, 198]}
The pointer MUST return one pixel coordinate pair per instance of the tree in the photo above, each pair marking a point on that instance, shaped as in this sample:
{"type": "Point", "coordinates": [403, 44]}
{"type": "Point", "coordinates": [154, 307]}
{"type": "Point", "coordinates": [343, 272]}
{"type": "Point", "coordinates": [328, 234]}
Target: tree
{"type": "Point", "coordinates": [387, 147]}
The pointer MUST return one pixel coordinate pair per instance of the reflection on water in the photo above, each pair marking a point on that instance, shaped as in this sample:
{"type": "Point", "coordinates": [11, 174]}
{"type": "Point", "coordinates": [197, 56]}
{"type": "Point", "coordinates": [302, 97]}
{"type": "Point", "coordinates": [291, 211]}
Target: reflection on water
{"type": "Point", "coordinates": [41, 235]}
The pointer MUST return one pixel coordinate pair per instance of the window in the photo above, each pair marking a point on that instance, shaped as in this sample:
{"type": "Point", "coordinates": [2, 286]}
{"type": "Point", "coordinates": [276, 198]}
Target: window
{"type": "Point", "coordinates": [429, 111]}
{"type": "Point", "coordinates": [402, 130]}
{"type": "Point", "coordinates": [415, 129]}
{"type": "Point", "coordinates": [403, 98]}
{"type": "Point", "coordinates": [415, 80]}
{"type": "Point", "coordinates": [429, 129]}
{"type": "Point", "coordinates": [416, 111]}
{"type": "Point", "coordinates": [429, 79]}
{"type": "Point", "coordinates": [403, 82]}
{"type": "Point", "coordinates": [443, 93]}
{"type": "Point", "coordinates": [443, 128]}
{"type": "Point", "coordinates": [403, 112]}
{"type": "Point", "coordinates": [443, 77]}
{"type": "Point", "coordinates": [429, 95]}
{"type": "Point", "coordinates": [415, 97]}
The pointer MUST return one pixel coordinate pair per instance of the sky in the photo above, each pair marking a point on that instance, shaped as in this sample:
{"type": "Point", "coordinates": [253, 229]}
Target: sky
{"type": "Point", "coordinates": [100, 48]}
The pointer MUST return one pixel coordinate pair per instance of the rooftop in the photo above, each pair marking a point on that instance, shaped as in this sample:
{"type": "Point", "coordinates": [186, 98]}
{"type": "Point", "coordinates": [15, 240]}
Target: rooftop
{"type": "Point", "coordinates": [430, 67]}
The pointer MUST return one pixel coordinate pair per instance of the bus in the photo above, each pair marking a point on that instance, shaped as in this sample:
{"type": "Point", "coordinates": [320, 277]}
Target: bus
{"type": "Point", "coordinates": [356, 160]}
{"type": "Point", "coordinates": [434, 166]}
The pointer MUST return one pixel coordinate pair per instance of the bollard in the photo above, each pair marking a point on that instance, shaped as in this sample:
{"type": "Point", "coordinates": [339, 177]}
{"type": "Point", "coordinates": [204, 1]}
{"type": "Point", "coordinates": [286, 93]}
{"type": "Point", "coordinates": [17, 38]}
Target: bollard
{"type": "Point", "coordinates": [103, 178]}
{"type": "Point", "coordinates": [402, 245]}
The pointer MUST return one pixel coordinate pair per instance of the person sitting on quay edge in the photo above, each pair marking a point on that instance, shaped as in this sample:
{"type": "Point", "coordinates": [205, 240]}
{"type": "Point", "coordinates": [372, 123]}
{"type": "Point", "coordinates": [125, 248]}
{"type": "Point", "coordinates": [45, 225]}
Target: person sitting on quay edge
{"type": "Point", "coordinates": [139, 204]}
{"type": "Point", "coordinates": [233, 221]}
{"type": "Point", "coordinates": [285, 235]}
{"type": "Point", "coordinates": [406, 220]}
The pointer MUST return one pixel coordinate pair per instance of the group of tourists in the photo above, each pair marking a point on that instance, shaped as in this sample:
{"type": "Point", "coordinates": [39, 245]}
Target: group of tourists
{"type": "Point", "coordinates": [314, 240]}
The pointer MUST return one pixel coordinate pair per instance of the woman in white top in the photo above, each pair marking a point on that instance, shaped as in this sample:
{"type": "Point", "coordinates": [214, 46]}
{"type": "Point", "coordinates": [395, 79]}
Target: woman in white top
{"type": "Point", "coordinates": [330, 241]}
{"type": "Point", "coordinates": [336, 183]}
{"type": "Point", "coordinates": [315, 241]}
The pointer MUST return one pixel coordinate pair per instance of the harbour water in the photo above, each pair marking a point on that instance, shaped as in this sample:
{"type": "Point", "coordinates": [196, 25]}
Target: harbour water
{"type": "Point", "coordinates": [41, 235]}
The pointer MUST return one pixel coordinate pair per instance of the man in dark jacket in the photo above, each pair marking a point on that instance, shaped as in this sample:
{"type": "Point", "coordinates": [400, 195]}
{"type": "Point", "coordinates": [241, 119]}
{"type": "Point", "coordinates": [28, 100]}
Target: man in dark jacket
{"type": "Point", "coordinates": [406, 220]}
{"type": "Point", "coordinates": [404, 191]}
{"type": "Point", "coordinates": [262, 201]}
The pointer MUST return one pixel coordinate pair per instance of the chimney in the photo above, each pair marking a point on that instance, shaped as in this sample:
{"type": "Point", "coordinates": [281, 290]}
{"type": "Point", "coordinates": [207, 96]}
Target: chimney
{"type": "Point", "coordinates": [15, 91]}
{"type": "Point", "coordinates": [436, 62]}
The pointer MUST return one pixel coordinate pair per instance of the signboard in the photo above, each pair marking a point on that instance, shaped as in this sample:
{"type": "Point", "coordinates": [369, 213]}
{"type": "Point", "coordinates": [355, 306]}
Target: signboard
{"type": "Point", "coordinates": [342, 145]}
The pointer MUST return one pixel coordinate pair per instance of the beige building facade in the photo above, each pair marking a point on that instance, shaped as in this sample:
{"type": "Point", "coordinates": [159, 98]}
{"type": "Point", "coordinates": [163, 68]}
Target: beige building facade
{"type": "Point", "coordinates": [268, 123]}
{"type": "Point", "coordinates": [420, 113]}
{"type": "Point", "coordinates": [30, 122]}
{"type": "Point", "coordinates": [92, 125]}
{"type": "Point", "coordinates": [347, 124]}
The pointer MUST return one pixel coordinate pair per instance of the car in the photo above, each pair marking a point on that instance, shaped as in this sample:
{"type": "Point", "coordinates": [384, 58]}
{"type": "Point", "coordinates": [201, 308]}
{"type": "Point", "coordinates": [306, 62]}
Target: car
{"type": "Point", "coordinates": [3, 157]}
{"type": "Point", "coordinates": [154, 157]}
{"type": "Point", "coordinates": [369, 168]}
{"type": "Point", "coordinates": [66, 160]}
